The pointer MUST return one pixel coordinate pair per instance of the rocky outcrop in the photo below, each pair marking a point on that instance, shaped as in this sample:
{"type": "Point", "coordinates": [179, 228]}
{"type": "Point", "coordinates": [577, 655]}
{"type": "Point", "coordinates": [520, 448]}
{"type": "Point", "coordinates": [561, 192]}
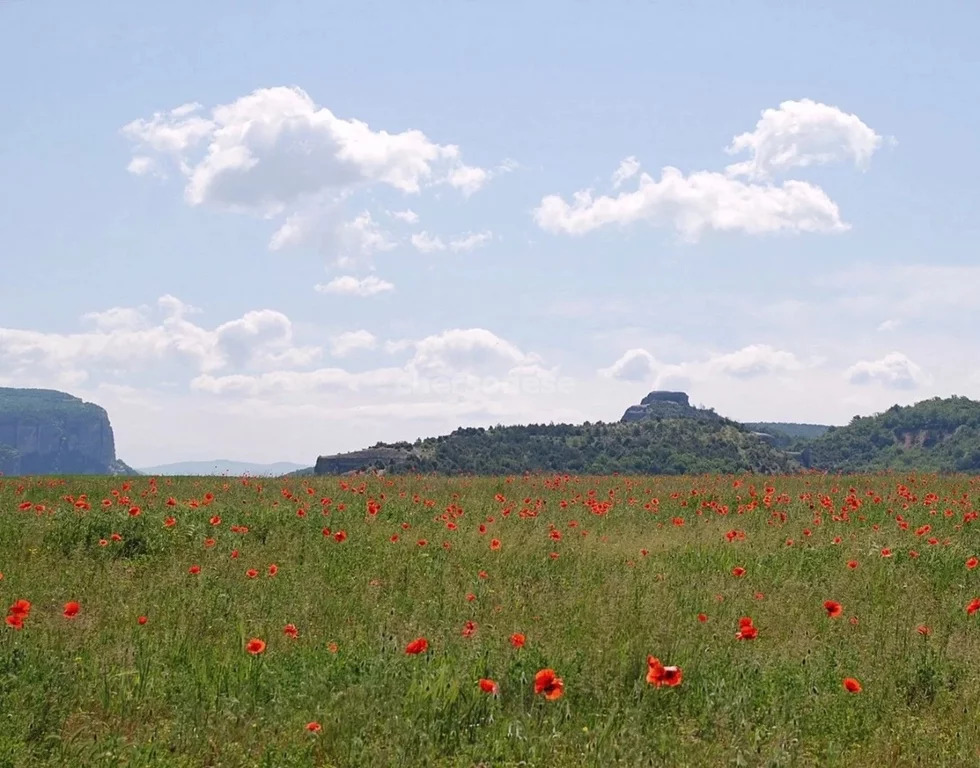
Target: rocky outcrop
{"type": "Point", "coordinates": [44, 431]}
{"type": "Point", "coordinates": [369, 458]}
{"type": "Point", "coordinates": [661, 404]}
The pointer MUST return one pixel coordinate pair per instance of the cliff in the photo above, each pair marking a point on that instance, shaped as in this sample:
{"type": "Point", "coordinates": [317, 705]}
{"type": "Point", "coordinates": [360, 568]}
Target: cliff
{"type": "Point", "coordinates": [45, 432]}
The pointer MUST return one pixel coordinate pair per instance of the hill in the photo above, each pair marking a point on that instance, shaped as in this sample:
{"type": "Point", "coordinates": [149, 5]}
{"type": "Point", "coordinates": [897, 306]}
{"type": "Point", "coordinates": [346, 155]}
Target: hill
{"type": "Point", "coordinates": [940, 435]}
{"type": "Point", "coordinates": [667, 439]}
{"type": "Point", "coordinates": [43, 431]}
{"type": "Point", "coordinates": [223, 467]}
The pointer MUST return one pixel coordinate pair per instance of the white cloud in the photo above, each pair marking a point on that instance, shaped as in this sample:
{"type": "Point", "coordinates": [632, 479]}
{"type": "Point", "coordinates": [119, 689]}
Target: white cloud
{"type": "Point", "coordinates": [348, 241]}
{"type": "Point", "coordinates": [797, 134]}
{"type": "Point", "coordinates": [141, 165]}
{"type": "Point", "coordinates": [353, 286]}
{"type": "Point", "coordinates": [345, 343]}
{"type": "Point", "coordinates": [800, 134]}
{"type": "Point", "coordinates": [471, 349]}
{"type": "Point", "coordinates": [426, 243]}
{"type": "Point", "coordinates": [408, 216]}
{"type": "Point", "coordinates": [126, 337]}
{"type": "Point", "coordinates": [889, 325]}
{"type": "Point", "coordinates": [894, 371]}
{"type": "Point", "coordinates": [628, 168]}
{"type": "Point", "coordinates": [691, 204]}
{"type": "Point", "coordinates": [634, 365]}
{"type": "Point", "coordinates": [117, 318]}
{"type": "Point", "coordinates": [754, 360]}
{"type": "Point", "coordinates": [274, 147]}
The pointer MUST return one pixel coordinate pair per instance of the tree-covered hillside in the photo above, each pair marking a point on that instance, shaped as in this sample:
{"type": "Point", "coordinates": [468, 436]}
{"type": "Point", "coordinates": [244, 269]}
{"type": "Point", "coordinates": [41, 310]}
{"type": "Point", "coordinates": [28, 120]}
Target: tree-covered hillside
{"type": "Point", "coordinates": [933, 435]}
{"type": "Point", "coordinates": [654, 446]}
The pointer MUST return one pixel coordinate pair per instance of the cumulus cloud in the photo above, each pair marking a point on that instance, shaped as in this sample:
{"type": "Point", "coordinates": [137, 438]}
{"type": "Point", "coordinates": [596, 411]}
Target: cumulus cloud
{"type": "Point", "coordinates": [345, 343]}
{"type": "Point", "coordinates": [347, 241]}
{"type": "Point", "coordinates": [754, 360]}
{"type": "Point", "coordinates": [800, 134]}
{"type": "Point", "coordinates": [125, 337]}
{"type": "Point", "coordinates": [426, 243]}
{"type": "Point", "coordinates": [796, 135]}
{"type": "Point", "coordinates": [274, 146]}
{"type": "Point", "coordinates": [353, 286]}
{"type": "Point", "coordinates": [634, 365]}
{"type": "Point", "coordinates": [893, 371]}
{"type": "Point", "coordinates": [691, 204]}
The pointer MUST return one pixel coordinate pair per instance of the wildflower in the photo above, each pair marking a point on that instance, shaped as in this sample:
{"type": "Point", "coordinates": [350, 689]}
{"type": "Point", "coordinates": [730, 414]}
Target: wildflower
{"type": "Point", "coordinates": [194, 570]}
{"type": "Point", "coordinates": [517, 640]}
{"type": "Point", "coordinates": [469, 629]}
{"type": "Point", "coordinates": [71, 609]}
{"type": "Point", "coordinates": [273, 569]}
{"type": "Point", "coordinates": [314, 727]}
{"type": "Point", "coordinates": [141, 620]}
{"type": "Point", "coordinates": [702, 617]}
{"type": "Point", "coordinates": [290, 631]}
{"type": "Point", "coordinates": [923, 630]}
{"type": "Point", "coordinates": [547, 683]}
{"type": "Point", "coordinates": [833, 608]}
{"type": "Point", "coordinates": [255, 646]}
{"type": "Point", "coordinates": [489, 686]}
{"type": "Point", "coordinates": [972, 563]}
{"type": "Point", "coordinates": [418, 645]}
{"type": "Point", "coordinates": [746, 629]}
{"type": "Point", "coordinates": [973, 606]}
{"type": "Point", "coordinates": [852, 564]}
{"type": "Point", "coordinates": [658, 674]}
{"type": "Point", "coordinates": [738, 571]}
{"type": "Point", "coordinates": [851, 685]}
{"type": "Point", "coordinates": [495, 544]}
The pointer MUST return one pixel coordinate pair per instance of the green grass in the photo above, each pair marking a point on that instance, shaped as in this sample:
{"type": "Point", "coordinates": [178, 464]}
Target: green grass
{"type": "Point", "coordinates": [101, 689]}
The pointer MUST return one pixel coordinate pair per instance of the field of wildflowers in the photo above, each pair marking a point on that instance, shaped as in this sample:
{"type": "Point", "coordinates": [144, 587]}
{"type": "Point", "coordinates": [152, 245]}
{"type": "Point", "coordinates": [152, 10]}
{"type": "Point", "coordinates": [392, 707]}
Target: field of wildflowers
{"type": "Point", "coordinates": [540, 620]}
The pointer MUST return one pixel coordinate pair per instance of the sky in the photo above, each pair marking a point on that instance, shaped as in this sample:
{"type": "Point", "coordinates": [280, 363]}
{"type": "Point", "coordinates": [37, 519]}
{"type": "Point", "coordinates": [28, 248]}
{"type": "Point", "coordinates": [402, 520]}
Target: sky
{"type": "Point", "coordinates": [267, 231]}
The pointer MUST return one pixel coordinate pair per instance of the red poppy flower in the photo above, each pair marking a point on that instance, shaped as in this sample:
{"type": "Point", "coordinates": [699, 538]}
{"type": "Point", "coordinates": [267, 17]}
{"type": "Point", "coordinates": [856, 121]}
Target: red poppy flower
{"type": "Point", "coordinates": [141, 620]}
{"type": "Point", "coordinates": [273, 569]}
{"type": "Point", "coordinates": [658, 674]}
{"type": "Point", "coordinates": [290, 631]}
{"type": "Point", "coordinates": [418, 645]}
{"type": "Point", "coordinates": [702, 617]}
{"type": "Point", "coordinates": [973, 606]}
{"type": "Point", "coordinates": [255, 646]}
{"type": "Point", "coordinates": [738, 571]}
{"type": "Point", "coordinates": [852, 564]}
{"type": "Point", "coordinates": [314, 727]}
{"type": "Point", "coordinates": [20, 608]}
{"type": "Point", "coordinates": [548, 684]}
{"type": "Point", "coordinates": [972, 563]}
{"type": "Point", "coordinates": [71, 609]}
{"type": "Point", "coordinates": [495, 544]}
{"type": "Point", "coordinates": [469, 629]}
{"type": "Point", "coordinates": [852, 685]}
{"type": "Point", "coordinates": [170, 522]}
{"type": "Point", "coordinates": [517, 640]}
{"type": "Point", "coordinates": [15, 621]}
{"type": "Point", "coordinates": [833, 608]}
{"type": "Point", "coordinates": [489, 686]}
{"type": "Point", "coordinates": [923, 630]}
{"type": "Point", "coordinates": [340, 536]}
{"type": "Point", "coordinates": [746, 629]}
{"type": "Point", "coordinates": [194, 570]}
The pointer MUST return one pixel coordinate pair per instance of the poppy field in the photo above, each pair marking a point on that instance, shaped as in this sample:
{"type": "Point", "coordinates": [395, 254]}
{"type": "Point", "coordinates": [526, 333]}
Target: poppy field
{"type": "Point", "coordinates": [539, 620]}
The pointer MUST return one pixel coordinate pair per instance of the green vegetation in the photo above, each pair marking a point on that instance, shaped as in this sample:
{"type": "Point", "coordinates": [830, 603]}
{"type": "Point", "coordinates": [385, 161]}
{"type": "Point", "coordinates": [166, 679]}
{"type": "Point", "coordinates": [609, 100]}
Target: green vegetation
{"type": "Point", "coordinates": [594, 572]}
{"type": "Point", "coordinates": [941, 435]}
{"type": "Point", "coordinates": [651, 446]}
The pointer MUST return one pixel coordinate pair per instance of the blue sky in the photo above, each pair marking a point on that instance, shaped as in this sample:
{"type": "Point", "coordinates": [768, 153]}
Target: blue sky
{"type": "Point", "coordinates": [269, 230]}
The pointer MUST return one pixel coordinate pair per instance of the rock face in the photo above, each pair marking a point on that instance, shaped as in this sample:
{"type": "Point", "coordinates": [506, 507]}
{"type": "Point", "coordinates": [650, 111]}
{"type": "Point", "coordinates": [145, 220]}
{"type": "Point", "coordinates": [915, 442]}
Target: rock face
{"type": "Point", "coordinates": [43, 431]}
{"type": "Point", "coordinates": [370, 458]}
{"type": "Point", "coordinates": [661, 404]}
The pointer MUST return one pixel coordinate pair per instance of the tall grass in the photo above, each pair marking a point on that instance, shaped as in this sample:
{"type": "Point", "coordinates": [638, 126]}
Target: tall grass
{"type": "Point", "coordinates": [629, 580]}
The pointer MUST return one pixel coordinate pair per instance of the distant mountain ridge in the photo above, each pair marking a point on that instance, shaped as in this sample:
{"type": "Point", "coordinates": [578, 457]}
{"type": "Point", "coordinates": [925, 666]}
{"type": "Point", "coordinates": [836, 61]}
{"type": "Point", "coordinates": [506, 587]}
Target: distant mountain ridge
{"type": "Point", "coordinates": [223, 467]}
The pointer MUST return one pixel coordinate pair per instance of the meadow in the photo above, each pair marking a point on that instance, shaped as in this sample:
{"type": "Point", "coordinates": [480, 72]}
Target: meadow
{"type": "Point", "coordinates": [809, 620]}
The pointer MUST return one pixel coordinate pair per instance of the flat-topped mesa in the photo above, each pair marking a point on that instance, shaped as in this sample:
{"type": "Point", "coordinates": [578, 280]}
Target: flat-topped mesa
{"type": "Point", "coordinates": [355, 461]}
{"type": "Point", "coordinates": [661, 404]}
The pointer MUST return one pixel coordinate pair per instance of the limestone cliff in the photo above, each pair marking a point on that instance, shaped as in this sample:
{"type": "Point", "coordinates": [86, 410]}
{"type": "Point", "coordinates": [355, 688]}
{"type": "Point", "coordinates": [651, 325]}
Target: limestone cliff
{"type": "Point", "coordinates": [44, 431]}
